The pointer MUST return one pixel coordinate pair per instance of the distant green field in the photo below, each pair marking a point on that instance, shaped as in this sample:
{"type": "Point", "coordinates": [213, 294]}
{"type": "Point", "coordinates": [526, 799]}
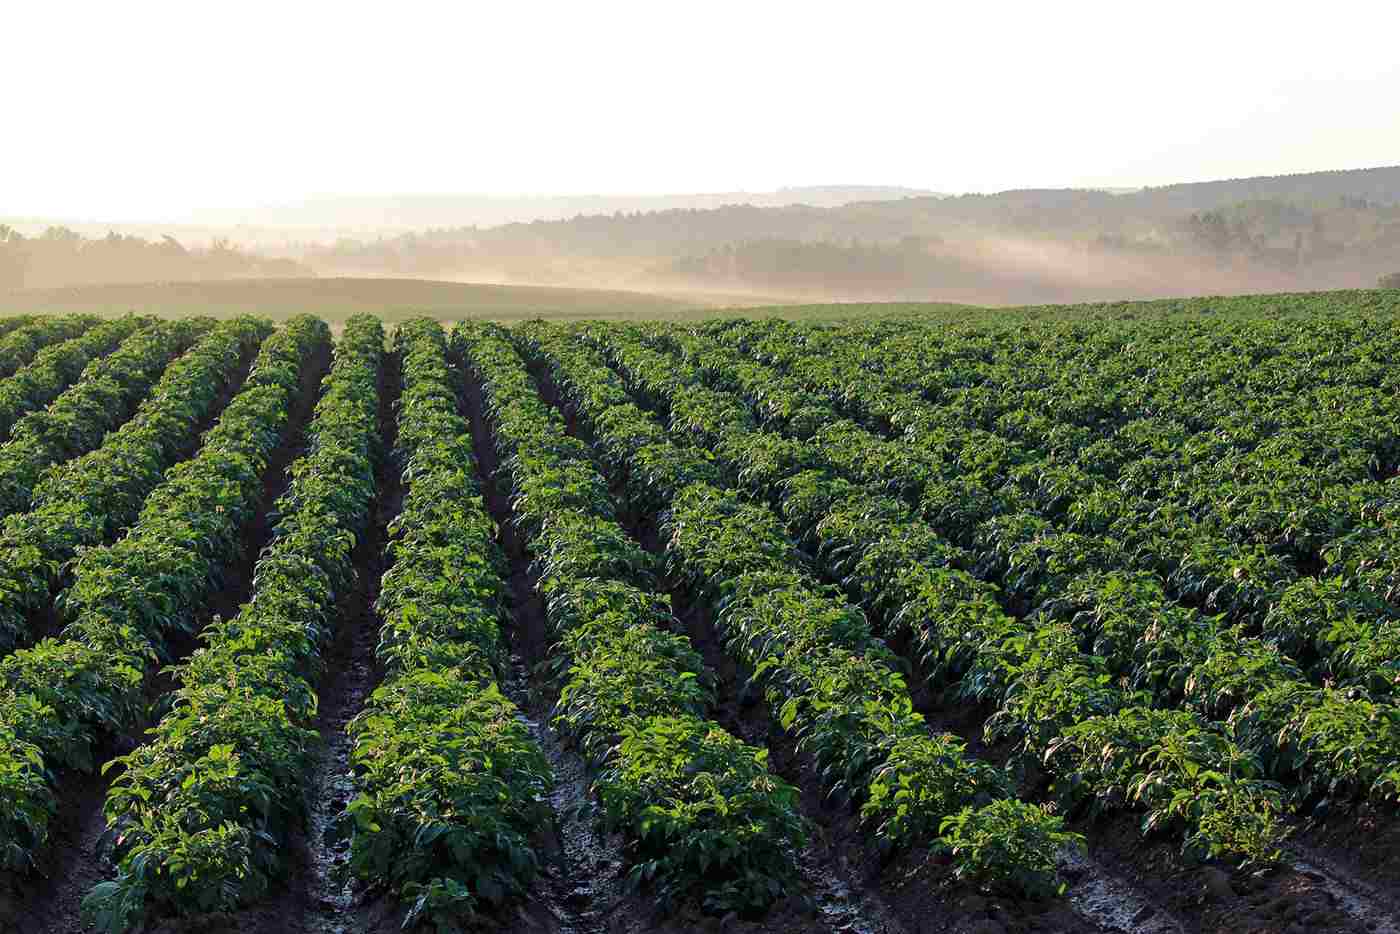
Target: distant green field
{"type": "Point", "coordinates": [334, 299]}
{"type": "Point", "coordinates": [1227, 306]}
{"type": "Point", "coordinates": [393, 300]}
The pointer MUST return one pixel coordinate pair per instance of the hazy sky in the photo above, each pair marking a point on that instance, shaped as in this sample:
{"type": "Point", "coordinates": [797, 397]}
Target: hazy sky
{"type": "Point", "coordinates": [139, 110]}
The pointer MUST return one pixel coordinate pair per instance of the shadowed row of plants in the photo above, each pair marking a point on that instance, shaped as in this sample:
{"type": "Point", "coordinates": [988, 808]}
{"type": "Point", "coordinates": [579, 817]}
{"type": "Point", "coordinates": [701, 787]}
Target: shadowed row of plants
{"type": "Point", "coordinates": [81, 416]}
{"type": "Point", "coordinates": [702, 813]}
{"type": "Point", "coordinates": [1041, 683]}
{"type": "Point", "coordinates": [1236, 460]}
{"type": "Point", "coordinates": [55, 368]}
{"type": "Point", "coordinates": [1307, 677]}
{"type": "Point", "coordinates": [60, 697]}
{"type": "Point", "coordinates": [451, 787]}
{"type": "Point", "coordinates": [1103, 648]}
{"type": "Point", "coordinates": [22, 344]}
{"type": "Point", "coordinates": [200, 815]}
{"type": "Point", "coordinates": [826, 675]}
{"type": "Point", "coordinates": [88, 500]}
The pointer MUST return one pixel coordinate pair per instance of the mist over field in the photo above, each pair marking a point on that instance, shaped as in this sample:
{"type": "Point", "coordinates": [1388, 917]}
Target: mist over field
{"type": "Point", "coordinates": [751, 154]}
{"type": "Point", "coordinates": [1312, 231]}
{"type": "Point", "coordinates": [1325, 230]}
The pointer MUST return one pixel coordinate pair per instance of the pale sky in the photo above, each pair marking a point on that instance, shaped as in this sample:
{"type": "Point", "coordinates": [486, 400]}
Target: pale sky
{"type": "Point", "coordinates": [154, 110]}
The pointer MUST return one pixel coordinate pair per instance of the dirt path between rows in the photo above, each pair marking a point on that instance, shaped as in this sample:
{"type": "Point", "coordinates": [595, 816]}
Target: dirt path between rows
{"type": "Point", "coordinates": [318, 898]}
{"type": "Point", "coordinates": [576, 892]}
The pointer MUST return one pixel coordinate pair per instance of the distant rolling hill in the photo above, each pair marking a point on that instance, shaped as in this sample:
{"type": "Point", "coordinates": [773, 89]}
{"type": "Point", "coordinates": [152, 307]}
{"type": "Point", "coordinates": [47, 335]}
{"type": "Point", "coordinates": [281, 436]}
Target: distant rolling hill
{"type": "Point", "coordinates": [413, 212]}
{"type": "Point", "coordinates": [337, 298]}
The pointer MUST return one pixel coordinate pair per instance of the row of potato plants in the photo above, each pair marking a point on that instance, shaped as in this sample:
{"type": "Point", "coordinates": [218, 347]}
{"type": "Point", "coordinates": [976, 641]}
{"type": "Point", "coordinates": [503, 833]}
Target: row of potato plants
{"type": "Point", "coordinates": [1044, 682]}
{"type": "Point", "coordinates": [1328, 744]}
{"type": "Point", "coordinates": [20, 346]}
{"type": "Point", "coordinates": [452, 790]}
{"type": "Point", "coordinates": [988, 447]}
{"type": "Point", "coordinates": [88, 500]}
{"type": "Point", "coordinates": [200, 815]}
{"type": "Point", "coordinates": [1358, 639]}
{"type": "Point", "coordinates": [826, 675]}
{"type": "Point", "coordinates": [702, 813]}
{"type": "Point", "coordinates": [108, 392]}
{"type": "Point", "coordinates": [15, 322]}
{"type": "Point", "coordinates": [968, 414]}
{"type": "Point", "coordinates": [1234, 499]}
{"type": "Point", "coordinates": [63, 695]}
{"type": "Point", "coordinates": [55, 367]}
{"type": "Point", "coordinates": [1339, 629]}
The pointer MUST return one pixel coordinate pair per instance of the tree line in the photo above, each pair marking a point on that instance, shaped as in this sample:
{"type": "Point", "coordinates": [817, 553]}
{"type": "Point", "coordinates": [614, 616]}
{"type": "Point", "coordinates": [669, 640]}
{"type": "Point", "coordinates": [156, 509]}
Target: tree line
{"type": "Point", "coordinates": [61, 257]}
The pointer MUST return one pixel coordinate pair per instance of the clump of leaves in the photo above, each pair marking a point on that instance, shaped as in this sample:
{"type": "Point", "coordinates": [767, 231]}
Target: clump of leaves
{"type": "Point", "coordinates": [705, 811]}
{"type": "Point", "coordinates": [1008, 846]}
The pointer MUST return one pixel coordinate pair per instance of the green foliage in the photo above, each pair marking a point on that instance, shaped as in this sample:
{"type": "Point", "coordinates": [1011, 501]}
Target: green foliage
{"type": "Point", "coordinates": [702, 814]}
{"type": "Point", "coordinates": [86, 500]}
{"type": "Point", "coordinates": [200, 815]}
{"type": "Point", "coordinates": [51, 371]}
{"type": "Point", "coordinates": [825, 676]}
{"type": "Point", "coordinates": [1160, 551]}
{"type": "Point", "coordinates": [703, 811]}
{"type": "Point", "coordinates": [61, 695]}
{"type": "Point", "coordinates": [1187, 776]}
{"type": "Point", "coordinates": [923, 778]}
{"type": "Point", "coordinates": [452, 788]}
{"type": "Point", "coordinates": [107, 391]}
{"type": "Point", "coordinates": [1007, 846]}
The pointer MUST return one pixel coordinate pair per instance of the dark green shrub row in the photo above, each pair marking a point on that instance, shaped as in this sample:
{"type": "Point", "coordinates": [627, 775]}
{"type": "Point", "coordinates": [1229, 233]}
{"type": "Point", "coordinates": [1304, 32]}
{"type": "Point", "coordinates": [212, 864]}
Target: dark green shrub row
{"type": "Point", "coordinates": [452, 789]}
{"type": "Point", "coordinates": [1226, 455]}
{"type": "Point", "coordinates": [108, 392]}
{"type": "Point", "coordinates": [15, 322]}
{"type": "Point", "coordinates": [1329, 743]}
{"type": "Point", "coordinates": [702, 812]}
{"type": "Point", "coordinates": [1047, 676]}
{"type": "Point", "coordinates": [201, 813]}
{"type": "Point", "coordinates": [55, 367]}
{"type": "Point", "coordinates": [88, 500]}
{"type": "Point", "coordinates": [826, 677]}
{"type": "Point", "coordinates": [21, 345]}
{"type": "Point", "coordinates": [59, 696]}
{"type": "Point", "coordinates": [1036, 671]}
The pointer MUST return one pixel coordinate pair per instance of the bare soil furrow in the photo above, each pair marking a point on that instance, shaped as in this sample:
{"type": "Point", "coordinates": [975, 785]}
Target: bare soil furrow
{"type": "Point", "coordinates": [318, 897]}
{"type": "Point", "coordinates": [580, 891]}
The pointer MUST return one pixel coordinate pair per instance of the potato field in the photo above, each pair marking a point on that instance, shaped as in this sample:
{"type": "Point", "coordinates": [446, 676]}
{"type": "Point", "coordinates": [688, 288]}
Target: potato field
{"type": "Point", "coordinates": [1059, 619]}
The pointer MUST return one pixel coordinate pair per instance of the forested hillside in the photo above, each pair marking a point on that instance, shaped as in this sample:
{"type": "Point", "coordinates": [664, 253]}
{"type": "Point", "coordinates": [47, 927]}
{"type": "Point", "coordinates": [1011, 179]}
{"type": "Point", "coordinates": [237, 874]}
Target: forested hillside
{"type": "Point", "coordinates": [1313, 231]}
